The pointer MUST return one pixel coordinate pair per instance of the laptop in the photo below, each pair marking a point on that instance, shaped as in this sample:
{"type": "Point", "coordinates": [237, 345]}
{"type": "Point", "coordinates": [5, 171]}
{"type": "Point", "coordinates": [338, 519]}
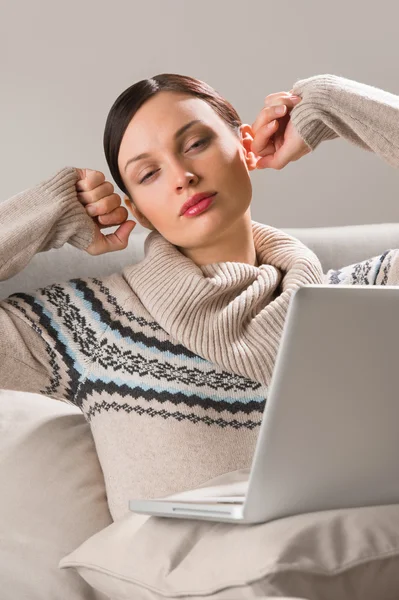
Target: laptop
{"type": "Point", "coordinates": [329, 437]}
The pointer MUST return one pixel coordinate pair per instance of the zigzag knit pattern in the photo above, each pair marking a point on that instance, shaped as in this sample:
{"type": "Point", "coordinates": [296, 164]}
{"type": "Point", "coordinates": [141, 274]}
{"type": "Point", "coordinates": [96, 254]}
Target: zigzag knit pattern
{"type": "Point", "coordinates": [373, 271]}
{"type": "Point", "coordinates": [108, 350]}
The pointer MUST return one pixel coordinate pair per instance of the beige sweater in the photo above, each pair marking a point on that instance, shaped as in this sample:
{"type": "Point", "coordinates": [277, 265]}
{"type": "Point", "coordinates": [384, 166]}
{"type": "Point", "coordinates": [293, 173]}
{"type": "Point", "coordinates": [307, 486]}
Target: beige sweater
{"type": "Point", "coordinates": [169, 362]}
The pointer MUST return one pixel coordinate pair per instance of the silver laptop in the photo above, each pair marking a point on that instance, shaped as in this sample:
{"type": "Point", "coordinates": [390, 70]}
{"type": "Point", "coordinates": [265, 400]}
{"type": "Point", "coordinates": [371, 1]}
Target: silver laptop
{"type": "Point", "coordinates": [329, 436]}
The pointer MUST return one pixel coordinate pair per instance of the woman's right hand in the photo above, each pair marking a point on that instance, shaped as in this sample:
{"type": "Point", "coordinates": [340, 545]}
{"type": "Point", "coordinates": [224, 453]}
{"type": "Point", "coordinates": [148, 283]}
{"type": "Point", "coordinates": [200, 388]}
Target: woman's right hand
{"type": "Point", "coordinates": [104, 206]}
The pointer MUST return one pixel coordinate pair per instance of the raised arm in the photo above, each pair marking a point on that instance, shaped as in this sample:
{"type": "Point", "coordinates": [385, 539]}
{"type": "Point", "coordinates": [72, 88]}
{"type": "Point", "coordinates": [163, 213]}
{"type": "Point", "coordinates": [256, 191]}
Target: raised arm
{"type": "Point", "coordinates": [45, 216]}
{"type": "Point", "coordinates": [333, 106]}
{"type": "Point", "coordinates": [46, 337]}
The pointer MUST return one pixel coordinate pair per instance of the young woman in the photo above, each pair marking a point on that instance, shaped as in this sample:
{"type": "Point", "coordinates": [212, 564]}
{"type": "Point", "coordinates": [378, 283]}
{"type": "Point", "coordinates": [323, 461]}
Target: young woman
{"type": "Point", "coordinates": [170, 359]}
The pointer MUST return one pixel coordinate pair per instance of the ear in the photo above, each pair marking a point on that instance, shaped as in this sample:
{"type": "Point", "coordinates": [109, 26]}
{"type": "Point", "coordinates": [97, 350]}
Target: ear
{"type": "Point", "coordinates": [246, 141]}
{"type": "Point", "coordinates": [144, 222]}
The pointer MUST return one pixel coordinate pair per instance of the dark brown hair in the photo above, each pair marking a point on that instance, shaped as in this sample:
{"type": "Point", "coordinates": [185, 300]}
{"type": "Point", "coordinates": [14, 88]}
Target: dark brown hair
{"type": "Point", "coordinates": [128, 103]}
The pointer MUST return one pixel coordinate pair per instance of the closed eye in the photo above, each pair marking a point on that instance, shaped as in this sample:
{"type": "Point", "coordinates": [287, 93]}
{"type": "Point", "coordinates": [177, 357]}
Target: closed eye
{"type": "Point", "coordinates": [196, 144]}
{"type": "Point", "coordinates": [199, 142]}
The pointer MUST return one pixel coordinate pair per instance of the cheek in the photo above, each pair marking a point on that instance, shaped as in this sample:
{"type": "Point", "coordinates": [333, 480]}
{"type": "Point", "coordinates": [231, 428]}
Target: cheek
{"type": "Point", "coordinates": [232, 165]}
{"type": "Point", "coordinates": [155, 213]}
{"type": "Point", "coordinates": [220, 163]}
{"type": "Point", "coordinates": [238, 184]}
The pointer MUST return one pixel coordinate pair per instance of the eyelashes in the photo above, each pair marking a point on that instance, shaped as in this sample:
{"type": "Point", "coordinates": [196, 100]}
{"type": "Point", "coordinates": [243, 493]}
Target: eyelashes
{"type": "Point", "coordinates": [147, 176]}
{"type": "Point", "coordinates": [197, 144]}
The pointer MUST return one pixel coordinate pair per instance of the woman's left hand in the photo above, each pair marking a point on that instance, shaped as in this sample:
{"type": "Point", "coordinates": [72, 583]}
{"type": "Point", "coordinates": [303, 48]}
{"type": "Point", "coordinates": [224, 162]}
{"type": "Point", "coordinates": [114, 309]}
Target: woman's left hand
{"type": "Point", "coordinates": [276, 141]}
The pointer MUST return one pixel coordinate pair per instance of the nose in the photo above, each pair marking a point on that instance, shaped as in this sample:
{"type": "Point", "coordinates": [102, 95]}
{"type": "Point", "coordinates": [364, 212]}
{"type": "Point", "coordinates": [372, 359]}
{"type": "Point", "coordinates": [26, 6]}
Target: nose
{"type": "Point", "coordinates": [189, 181]}
{"type": "Point", "coordinates": [185, 177]}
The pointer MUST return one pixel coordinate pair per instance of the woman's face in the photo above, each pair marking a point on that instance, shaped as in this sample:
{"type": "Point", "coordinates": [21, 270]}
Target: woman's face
{"type": "Point", "coordinates": [207, 156]}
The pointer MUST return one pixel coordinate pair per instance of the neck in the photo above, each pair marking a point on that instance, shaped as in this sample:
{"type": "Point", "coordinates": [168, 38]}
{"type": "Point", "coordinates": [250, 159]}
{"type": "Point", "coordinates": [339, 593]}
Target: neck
{"type": "Point", "coordinates": [234, 244]}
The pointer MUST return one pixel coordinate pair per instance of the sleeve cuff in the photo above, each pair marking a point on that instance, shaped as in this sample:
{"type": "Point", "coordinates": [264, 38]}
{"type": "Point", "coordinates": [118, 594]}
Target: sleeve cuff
{"type": "Point", "coordinates": [74, 225]}
{"type": "Point", "coordinates": [308, 116]}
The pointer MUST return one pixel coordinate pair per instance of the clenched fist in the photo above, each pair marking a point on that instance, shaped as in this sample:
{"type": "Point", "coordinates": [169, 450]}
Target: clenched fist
{"type": "Point", "coordinates": [104, 206]}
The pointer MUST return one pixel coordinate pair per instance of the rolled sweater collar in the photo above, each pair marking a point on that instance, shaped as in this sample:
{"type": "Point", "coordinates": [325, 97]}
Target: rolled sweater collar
{"type": "Point", "coordinates": [229, 313]}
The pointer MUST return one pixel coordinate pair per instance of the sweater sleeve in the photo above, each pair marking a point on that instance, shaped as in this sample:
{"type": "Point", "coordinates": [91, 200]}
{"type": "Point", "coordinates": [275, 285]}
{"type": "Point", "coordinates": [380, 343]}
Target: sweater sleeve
{"type": "Point", "coordinates": [34, 357]}
{"type": "Point", "coordinates": [334, 106]}
{"type": "Point", "coordinates": [42, 217]}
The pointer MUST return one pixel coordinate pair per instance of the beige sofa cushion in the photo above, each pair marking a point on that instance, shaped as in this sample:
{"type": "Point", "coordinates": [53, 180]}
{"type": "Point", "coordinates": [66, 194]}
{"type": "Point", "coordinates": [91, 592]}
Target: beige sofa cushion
{"type": "Point", "coordinates": [350, 554]}
{"type": "Point", "coordinates": [52, 497]}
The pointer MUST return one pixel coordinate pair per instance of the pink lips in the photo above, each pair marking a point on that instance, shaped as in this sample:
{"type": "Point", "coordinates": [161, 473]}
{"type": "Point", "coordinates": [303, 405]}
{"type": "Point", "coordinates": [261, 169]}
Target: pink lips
{"type": "Point", "coordinates": [194, 200]}
{"type": "Point", "coordinates": [200, 207]}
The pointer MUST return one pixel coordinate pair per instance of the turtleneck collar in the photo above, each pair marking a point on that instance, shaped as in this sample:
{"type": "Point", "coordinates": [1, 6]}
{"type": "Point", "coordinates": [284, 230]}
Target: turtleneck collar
{"type": "Point", "coordinates": [229, 313]}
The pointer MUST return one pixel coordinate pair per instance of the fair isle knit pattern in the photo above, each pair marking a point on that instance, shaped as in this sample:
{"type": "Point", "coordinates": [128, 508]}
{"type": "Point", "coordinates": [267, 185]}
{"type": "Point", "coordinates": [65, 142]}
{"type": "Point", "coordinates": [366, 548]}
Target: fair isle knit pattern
{"type": "Point", "coordinates": [127, 352]}
{"type": "Point", "coordinates": [372, 271]}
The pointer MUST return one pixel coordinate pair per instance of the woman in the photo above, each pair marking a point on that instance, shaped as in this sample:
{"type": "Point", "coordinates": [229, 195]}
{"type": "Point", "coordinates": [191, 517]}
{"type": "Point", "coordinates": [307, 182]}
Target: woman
{"type": "Point", "coordinates": [170, 360]}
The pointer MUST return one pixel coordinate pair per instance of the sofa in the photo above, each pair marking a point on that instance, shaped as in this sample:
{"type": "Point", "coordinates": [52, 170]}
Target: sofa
{"type": "Point", "coordinates": [58, 540]}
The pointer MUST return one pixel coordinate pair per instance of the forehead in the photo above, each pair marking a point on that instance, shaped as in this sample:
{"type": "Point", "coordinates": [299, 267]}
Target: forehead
{"type": "Point", "coordinates": [156, 121]}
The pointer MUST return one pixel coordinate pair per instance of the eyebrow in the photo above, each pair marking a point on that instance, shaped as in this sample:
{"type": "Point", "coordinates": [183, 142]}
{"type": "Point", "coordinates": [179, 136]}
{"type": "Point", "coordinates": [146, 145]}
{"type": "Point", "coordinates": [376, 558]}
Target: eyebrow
{"type": "Point", "coordinates": [178, 133]}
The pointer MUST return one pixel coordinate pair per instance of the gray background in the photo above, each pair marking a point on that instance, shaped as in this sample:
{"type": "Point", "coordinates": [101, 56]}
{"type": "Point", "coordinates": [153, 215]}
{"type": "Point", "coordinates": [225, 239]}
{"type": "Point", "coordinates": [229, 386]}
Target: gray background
{"type": "Point", "coordinates": [64, 64]}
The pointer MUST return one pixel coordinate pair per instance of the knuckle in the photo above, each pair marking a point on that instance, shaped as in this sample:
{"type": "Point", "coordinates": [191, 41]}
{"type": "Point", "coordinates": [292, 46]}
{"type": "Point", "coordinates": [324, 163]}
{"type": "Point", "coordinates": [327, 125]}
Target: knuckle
{"type": "Point", "coordinates": [101, 206]}
{"type": "Point", "coordinates": [110, 205]}
{"type": "Point", "coordinates": [113, 215]}
{"type": "Point", "coordinates": [93, 178]}
{"type": "Point", "coordinates": [82, 185]}
{"type": "Point", "coordinates": [99, 177]}
{"type": "Point", "coordinates": [267, 114]}
{"type": "Point", "coordinates": [114, 203]}
{"type": "Point", "coordinates": [108, 187]}
{"type": "Point", "coordinates": [274, 108]}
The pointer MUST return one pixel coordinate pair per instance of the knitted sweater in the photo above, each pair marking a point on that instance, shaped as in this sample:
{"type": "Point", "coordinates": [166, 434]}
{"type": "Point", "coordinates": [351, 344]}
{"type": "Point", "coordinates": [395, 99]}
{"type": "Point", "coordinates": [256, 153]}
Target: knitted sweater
{"type": "Point", "coordinates": [169, 362]}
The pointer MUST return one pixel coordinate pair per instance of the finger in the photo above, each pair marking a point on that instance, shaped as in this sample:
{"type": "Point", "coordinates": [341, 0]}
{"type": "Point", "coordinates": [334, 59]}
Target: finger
{"type": "Point", "coordinates": [278, 110]}
{"type": "Point", "coordinates": [120, 238]}
{"type": "Point", "coordinates": [289, 100]}
{"type": "Point", "coordinates": [115, 217]}
{"type": "Point", "coordinates": [102, 190]}
{"type": "Point", "coordinates": [103, 206]}
{"type": "Point", "coordinates": [279, 136]}
{"type": "Point", "coordinates": [288, 103]}
{"type": "Point", "coordinates": [89, 179]}
{"type": "Point", "coordinates": [261, 141]}
{"type": "Point", "coordinates": [266, 115]}
{"type": "Point", "coordinates": [278, 160]}
{"type": "Point", "coordinates": [269, 149]}
{"type": "Point", "coordinates": [274, 97]}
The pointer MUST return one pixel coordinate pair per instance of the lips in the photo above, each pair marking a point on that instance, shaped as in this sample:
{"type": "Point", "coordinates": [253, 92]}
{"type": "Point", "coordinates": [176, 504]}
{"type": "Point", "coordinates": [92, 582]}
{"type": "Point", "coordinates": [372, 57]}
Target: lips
{"type": "Point", "coordinates": [194, 200]}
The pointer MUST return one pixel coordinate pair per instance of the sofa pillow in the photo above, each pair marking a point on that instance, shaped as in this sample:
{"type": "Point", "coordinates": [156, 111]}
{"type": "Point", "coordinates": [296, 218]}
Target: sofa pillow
{"type": "Point", "coordinates": [52, 497]}
{"type": "Point", "coordinates": [350, 554]}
